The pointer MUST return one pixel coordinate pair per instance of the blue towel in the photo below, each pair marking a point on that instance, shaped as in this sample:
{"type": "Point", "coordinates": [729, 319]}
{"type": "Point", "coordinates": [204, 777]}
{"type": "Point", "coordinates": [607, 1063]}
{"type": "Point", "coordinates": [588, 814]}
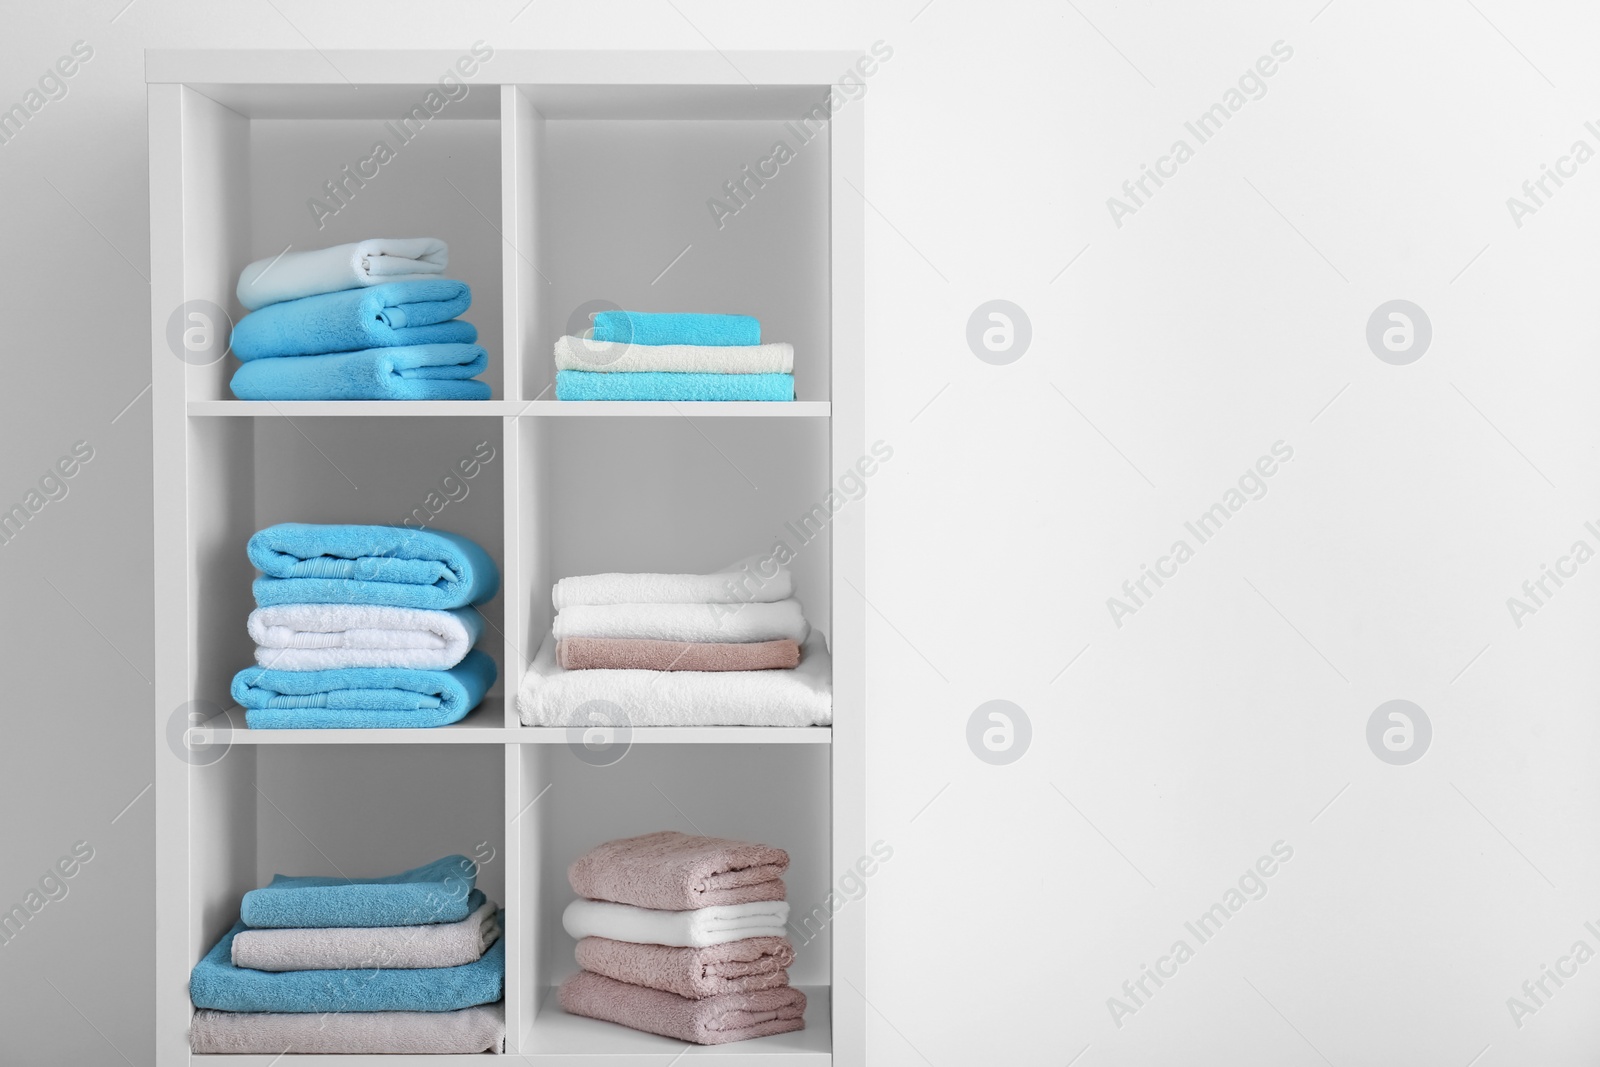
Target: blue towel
{"type": "Point", "coordinates": [672, 328]}
{"type": "Point", "coordinates": [381, 316]}
{"type": "Point", "coordinates": [666, 385]}
{"type": "Point", "coordinates": [217, 984]}
{"type": "Point", "coordinates": [309, 563]}
{"type": "Point", "coordinates": [415, 372]}
{"type": "Point", "coordinates": [362, 698]}
{"type": "Point", "coordinates": [437, 892]}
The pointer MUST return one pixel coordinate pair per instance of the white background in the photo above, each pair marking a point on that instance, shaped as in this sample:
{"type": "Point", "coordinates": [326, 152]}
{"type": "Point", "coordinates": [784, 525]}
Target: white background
{"type": "Point", "coordinates": [1229, 713]}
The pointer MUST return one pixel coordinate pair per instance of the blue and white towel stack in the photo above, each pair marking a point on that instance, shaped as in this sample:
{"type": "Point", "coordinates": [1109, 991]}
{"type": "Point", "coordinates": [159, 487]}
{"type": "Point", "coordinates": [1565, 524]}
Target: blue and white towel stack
{"type": "Point", "coordinates": [371, 320]}
{"type": "Point", "coordinates": [636, 355]}
{"type": "Point", "coordinates": [365, 627]}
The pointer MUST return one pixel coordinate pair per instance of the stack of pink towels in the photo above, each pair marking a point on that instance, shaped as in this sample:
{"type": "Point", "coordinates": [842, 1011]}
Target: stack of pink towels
{"type": "Point", "coordinates": [683, 936]}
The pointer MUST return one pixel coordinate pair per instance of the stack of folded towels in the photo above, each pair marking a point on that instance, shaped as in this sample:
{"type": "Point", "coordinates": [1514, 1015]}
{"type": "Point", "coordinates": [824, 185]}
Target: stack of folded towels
{"type": "Point", "coordinates": [684, 937]}
{"type": "Point", "coordinates": [365, 627]}
{"type": "Point", "coordinates": [412, 962]}
{"type": "Point", "coordinates": [636, 355]}
{"type": "Point", "coordinates": [365, 321]}
{"type": "Point", "coordinates": [726, 649]}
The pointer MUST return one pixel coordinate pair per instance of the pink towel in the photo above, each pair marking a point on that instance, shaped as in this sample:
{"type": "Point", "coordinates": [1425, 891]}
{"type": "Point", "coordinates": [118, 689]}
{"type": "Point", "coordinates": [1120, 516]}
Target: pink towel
{"type": "Point", "coordinates": [746, 966]}
{"type": "Point", "coordinates": [620, 653]}
{"type": "Point", "coordinates": [712, 1021]}
{"type": "Point", "coordinates": [670, 871]}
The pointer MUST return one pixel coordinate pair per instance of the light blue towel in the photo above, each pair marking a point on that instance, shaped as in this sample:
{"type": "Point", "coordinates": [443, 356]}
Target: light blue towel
{"type": "Point", "coordinates": [217, 984]}
{"type": "Point", "coordinates": [310, 563]}
{"type": "Point", "coordinates": [675, 328]}
{"type": "Point", "coordinates": [362, 698]}
{"type": "Point", "coordinates": [665, 385]}
{"type": "Point", "coordinates": [436, 892]}
{"type": "Point", "coordinates": [381, 316]}
{"type": "Point", "coordinates": [415, 372]}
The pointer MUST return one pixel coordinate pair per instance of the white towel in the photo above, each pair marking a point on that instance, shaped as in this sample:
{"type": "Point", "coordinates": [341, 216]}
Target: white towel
{"type": "Point", "coordinates": [757, 579]}
{"type": "Point", "coordinates": [680, 929]}
{"type": "Point", "coordinates": [352, 948]}
{"type": "Point", "coordinates": [733, 623]}
{"type": "Point", "coordinates": [317, 637]}
{"type": "Point", "coordinates": [580, 353]}
{"type": "Point", "coordinates": [551, 696]}
{"type": "Point", "coordinates": [333, 270]}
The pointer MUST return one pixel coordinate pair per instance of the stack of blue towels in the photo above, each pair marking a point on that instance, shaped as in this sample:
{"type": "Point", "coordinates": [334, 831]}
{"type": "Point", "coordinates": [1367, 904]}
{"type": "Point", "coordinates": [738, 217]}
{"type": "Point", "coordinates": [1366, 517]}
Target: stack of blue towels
{"type": "Point", "coordinates": [365, 627]}
{"type": "Point", "coordinates": [364, 321]}
{"type": "Point", "coordinates": [411, 962]}
{"type": "Point", "coordinates": [636, 355]}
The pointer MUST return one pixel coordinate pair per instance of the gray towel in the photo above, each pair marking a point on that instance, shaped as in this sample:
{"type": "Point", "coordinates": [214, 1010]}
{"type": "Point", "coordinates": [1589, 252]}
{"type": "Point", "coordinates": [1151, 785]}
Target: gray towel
{"type": "Point", "coordinates": [393, 947]}
{"type": "Point", "coordinates": [466, 1031]}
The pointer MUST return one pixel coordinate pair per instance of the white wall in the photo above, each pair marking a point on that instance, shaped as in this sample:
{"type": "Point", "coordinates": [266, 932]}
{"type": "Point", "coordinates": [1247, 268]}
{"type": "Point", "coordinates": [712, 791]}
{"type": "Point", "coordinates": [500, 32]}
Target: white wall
{"type": "Point", "coordinates": [1227, 714]}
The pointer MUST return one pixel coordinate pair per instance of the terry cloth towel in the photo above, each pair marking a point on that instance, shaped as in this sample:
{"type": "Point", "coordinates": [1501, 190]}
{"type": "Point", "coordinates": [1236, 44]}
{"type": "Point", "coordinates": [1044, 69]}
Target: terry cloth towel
{"type": "Point", "coordinates": [437, 892]}
{"type": "Point", "coordinates": [381, 316]}
{"type": "Point", "coordinates": [309, 563]}
{"type": "Point", "coordinates": [216, 983]}
{"type": "Point", "coordinates": [362, 698]}
{"type": "Point", "coordinates": [675, 328]}
{"type": "Point", "coordinates": [425, 1033]}
{"type": "Point", "coordinates": [713, 1021]}
{"type": "Point", "coordinates": [743, 582]}
{"type": "Point", "coordinates": [402, 947]}
{"type": "Point", "coordinates": [659, 385]}
{"type": "Point", "coordinates": [685, 622]}
{"type": "Point", "coordinates": [684, 929]}
{"type": "Point", "coordinates": [293, 275]}
{"type": "Point", "coordinates": [551, 696]}
{"type": "Point", "coordinates": [743, 966]}
{"type": "Point", "coordinates": [612, 653]}
{"type": "Point", "coordinates": [611, 357]}
{"type": "Point", "coordinates": [673, 871]}
{"type": "Point", "coordinates": [319, 637]}
{"type": "Point", "coordinates": [416, 372]}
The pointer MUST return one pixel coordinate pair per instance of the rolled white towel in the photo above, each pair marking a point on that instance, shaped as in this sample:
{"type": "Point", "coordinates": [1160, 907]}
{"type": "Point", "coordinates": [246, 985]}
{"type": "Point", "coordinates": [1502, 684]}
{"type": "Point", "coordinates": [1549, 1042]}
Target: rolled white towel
{"type": "Point", "coordinates": [757, 579]}
{"type": "Point", "coordinates": [293, 275]}
{"type": "Point", "coordinates": [581, 353]}
{"type": "Point", "coordinates": [685, 622]}
{"type": "Point", "coordinates": [682, 929]}
{"type": "Point", "coordinates": [317, 637]}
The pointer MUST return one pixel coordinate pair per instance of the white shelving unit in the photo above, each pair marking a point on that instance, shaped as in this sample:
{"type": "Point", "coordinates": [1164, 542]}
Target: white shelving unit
{"type": "Point", "coordinates": [560, 179]}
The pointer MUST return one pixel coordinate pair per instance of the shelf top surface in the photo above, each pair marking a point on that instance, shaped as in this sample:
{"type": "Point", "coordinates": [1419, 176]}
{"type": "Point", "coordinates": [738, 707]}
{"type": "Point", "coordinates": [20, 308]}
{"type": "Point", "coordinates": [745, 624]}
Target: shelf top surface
{"type": "Point", "coordinates": [269, 409]}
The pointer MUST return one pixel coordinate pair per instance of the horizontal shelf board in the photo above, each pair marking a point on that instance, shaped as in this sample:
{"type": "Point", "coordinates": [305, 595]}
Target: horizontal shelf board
{"type": "Point", "coordinates": [561, 1040]}
{"type": "Point", "coordinates": [484, 725]}
{"type": "Point", "coordinates": [347, 1061]}
{"type": "Point", "coordinates": [741, 409]}
{"type": "Point", "coordinates": [344, 101]}
{"type": "Point", "coordinates": [691, 735]}
{"type": "Point", "coordinates": [273, 409]}
{"type": "Point", "coordinates": [780, 102]}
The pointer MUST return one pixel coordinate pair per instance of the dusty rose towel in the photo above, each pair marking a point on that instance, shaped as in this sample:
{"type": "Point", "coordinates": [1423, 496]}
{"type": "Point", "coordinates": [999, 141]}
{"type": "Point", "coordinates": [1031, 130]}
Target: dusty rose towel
{"type": "Point", "coordinates": [670, 871]}
{"type": "Point", "coordinates": [712, 1021]}
{"type": "Point", "coordinates": [620, 653]}
{"type": "Point", "coordinates": [746, 966]}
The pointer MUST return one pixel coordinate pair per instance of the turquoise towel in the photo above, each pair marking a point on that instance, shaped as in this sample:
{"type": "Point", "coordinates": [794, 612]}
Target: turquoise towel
{"type": "Point", "coordinates": [674, 328]}
{"type": "Point", "coordinates": [309, 563]}
{"type": "Point", "coordinates": [381, 316]}
{"type": "Point", "coordinates": [437, 892]}
{"type": "Point", "coordinates": [362, 698]}
{"type": "Point", "coordinates": [217, 984]}
{"type": "Point", "coordinates": [665, 385]}
{"type": "Point", "coordinates": [415, 372]}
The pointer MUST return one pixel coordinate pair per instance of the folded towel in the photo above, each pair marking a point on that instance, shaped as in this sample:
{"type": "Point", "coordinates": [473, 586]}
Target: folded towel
{"type": "Point", "coordinates": [674, 871]}
{"type": "Point", "coordinates": [292, 275]}
{"type": "Point", "coordinates": [745, 581]}
{"type": "Point", "coordinates": [616, 653]}
{"type": "Point", "coordinates": [437, 892]}
{"type": "Point", "coordinates": [551, 696]}
{"type": "Point", "coordinates": [685, 622]}
{"type": "Point", "coordinates": [684, 929]}
{"type": "Point", "coordinates": [742, 966]}
{"type": "Point", "coordinates": [362, 698]}
{"type": "Point", "coordinates": [415, 372]}
{"type": "Point", "coordinates": [659, 385]}
{"type": "Point", "coordinates": [426, 1033]}
{"type": "Point", "coordinates": [713, 1021]}
{"type": "Point", "coordinates": [216, 983]}
{"type": "Point", "coordinates": [401, 947]}
{"type": "Point", "coordinates": [309, 563]}
{"type": "Point", "coordinates": [614, 357]}
{"type": "Point", "coordinates": [381, 316]}
{"type": "Point", "coordinates": [675, 328]}
{"type": "Point", "coordinates": [320, 637]}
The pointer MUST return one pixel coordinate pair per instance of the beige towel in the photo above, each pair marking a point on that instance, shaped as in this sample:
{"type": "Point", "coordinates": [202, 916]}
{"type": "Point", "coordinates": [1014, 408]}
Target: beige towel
{"type": "Point", "coordinates": [745, 966]}
{"type": "Point", "coordinates": [713, 1021]}
{"type": "Point", "coordinates": [394, 947]}
{"type": "Point", "coordinates": [467, 1031]}
{"type": "Point", "coordinates": [670, 871]}
{"type": "Point", "coordinates": [619, 653]}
